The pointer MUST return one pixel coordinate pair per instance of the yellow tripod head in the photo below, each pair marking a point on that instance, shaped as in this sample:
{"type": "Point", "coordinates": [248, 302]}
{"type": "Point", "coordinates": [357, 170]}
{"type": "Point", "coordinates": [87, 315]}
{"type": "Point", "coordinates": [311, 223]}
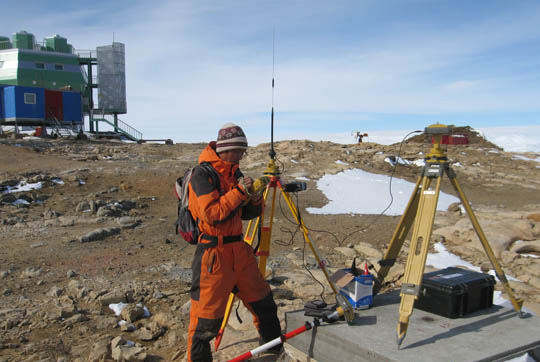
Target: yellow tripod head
{"type": "Point", "coordinates": [437, 131]}
{"type": "Point", "coordinates": [272, 169]}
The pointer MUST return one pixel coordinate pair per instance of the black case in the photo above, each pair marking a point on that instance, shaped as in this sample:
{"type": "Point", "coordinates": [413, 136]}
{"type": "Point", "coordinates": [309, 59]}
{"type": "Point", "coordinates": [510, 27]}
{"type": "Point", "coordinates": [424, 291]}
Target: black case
{"type": "Point", "coordinates": [455, 292]}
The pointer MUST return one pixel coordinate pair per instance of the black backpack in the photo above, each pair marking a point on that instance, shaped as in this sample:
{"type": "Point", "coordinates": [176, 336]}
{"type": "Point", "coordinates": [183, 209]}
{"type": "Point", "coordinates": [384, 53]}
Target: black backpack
{"type": "Point", "coordinates": [185, 225]}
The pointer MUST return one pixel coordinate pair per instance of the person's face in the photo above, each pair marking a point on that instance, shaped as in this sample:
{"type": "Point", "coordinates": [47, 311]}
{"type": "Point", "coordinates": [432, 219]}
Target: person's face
{"type": "Point", "coordinates": [233, 156]}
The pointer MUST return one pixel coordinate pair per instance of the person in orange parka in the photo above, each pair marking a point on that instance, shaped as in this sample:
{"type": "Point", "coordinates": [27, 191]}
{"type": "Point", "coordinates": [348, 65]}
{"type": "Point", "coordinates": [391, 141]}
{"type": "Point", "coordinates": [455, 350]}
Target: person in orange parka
{"type": "Point", "coordinates": [223, 262]}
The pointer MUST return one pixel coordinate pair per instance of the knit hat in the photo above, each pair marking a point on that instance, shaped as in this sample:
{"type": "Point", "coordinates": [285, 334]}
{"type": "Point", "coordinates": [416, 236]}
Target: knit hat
{"type": "Point", "coordinates": [231, 137]}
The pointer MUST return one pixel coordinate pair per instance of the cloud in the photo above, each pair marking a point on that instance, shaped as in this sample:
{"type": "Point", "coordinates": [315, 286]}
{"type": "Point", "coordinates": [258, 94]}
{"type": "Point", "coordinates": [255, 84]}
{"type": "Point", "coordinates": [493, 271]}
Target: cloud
{"type": "Point", "coordinates": [201, 63]}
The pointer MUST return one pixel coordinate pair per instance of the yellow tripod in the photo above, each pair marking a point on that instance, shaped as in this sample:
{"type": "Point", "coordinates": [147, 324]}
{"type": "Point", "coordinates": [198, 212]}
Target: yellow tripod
{"type": "Point", "coordinates": [421, 210]}
{"type": "Point", "coordinates": [265, 225]}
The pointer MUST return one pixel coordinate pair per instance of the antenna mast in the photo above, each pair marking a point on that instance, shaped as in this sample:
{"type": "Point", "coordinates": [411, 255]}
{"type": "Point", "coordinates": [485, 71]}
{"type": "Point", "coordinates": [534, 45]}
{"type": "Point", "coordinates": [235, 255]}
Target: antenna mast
{"type": "Point", "coordinates": [272, 153]}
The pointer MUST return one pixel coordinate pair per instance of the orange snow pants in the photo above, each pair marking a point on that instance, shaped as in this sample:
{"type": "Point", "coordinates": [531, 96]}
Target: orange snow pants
{"type": "Point", "coordinates": [217, 271]}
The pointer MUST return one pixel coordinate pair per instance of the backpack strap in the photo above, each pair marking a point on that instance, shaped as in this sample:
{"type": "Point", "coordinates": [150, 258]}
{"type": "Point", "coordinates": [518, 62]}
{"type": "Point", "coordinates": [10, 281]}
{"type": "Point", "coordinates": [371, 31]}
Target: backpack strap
{"type": "Point", "coordinates": [211, 171]}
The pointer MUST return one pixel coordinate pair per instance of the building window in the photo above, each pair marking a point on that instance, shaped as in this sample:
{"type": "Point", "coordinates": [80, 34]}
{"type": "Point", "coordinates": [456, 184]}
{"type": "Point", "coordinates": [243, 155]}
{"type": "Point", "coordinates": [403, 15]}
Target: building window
{"type": "Point", "coordinates": [58, 67]}
{"type": "Point", "coordinates": [1, 64]}
{"type": "Point", "coordinates": [40, 65]}
{"type": "Point", "coordinates": [30, 98]}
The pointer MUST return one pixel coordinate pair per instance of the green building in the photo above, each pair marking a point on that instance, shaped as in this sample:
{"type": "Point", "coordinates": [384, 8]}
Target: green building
{"type": "Point", "coordinates": [52, 65]}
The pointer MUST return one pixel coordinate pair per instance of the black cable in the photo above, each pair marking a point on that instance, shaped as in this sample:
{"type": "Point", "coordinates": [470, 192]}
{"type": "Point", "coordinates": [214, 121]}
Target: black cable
{"type": "Point", "coordinates": [310, 273]}
{"type": "Point", "coordinates": [298, 226]}
{"type": "Point", "coordinates": [389, 190]}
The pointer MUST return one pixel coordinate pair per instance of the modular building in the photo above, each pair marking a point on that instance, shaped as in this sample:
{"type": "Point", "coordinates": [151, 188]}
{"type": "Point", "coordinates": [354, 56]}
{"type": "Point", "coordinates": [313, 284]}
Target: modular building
{"type": "Point", "coordinates": [52, 66]}
{"type": "Point", "coordinates": [67, 79]}
{"type": "Point", "coordinates": [1, 104]}
{"type": "Point", "coordinates": [35, 106]}
{"type": "Point", "coordinates": [23, 105]}
{"type": "Point", "coordinates": [72, 107]}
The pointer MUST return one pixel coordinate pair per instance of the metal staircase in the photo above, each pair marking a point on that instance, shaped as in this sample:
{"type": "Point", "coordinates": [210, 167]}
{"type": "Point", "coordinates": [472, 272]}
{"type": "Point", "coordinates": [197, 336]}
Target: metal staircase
{"type": "Point", "coordinates": [63, 129]}
{"type": "Point", "coordinates": [120, 127]}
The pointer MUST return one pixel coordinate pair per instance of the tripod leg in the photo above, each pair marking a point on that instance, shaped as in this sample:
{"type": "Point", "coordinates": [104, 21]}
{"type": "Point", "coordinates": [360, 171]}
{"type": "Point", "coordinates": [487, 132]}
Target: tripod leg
{"type": "Point", "coordinates": [320, 262]}
{"type": "Point", "coordinates": [266, 233]}
{"type": "Point", "coordinates": [416, 261]}
{"type": "Point", "coordinates": [225, 321]}
{"type": "Point", "coordinates": [516, 303]}
{"type": "Point", "coordinates": [343, 304]}
{"type": "Point", "coordinates": [396, 243]}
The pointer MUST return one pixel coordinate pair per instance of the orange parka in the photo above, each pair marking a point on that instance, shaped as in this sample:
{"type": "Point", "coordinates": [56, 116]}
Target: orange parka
{"type": "Point", "coordinates": [219, 212]}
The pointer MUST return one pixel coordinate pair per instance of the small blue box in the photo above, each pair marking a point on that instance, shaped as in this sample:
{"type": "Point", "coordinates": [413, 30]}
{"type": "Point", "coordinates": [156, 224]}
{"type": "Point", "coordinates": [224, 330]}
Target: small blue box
{"type": "Point", "coordinates": [358, 289]}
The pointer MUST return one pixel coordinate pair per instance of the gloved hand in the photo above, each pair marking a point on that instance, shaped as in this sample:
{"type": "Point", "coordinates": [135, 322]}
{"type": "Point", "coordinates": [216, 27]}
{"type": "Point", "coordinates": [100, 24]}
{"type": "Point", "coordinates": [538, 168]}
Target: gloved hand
{"type": "Point", "coordinates": [259, 186]}
{"type": "Point", "coordinates": [254, 189]}
{"type": "Point", "coordinates": [246, 183]}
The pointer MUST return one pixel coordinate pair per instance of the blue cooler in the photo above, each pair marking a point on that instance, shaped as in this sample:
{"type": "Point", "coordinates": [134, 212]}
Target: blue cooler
{"type": "Point", "coordinates": [358, 289]}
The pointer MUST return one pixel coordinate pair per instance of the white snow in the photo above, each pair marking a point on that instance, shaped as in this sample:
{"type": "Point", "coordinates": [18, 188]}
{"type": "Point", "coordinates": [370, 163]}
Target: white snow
{"type": "Point", "coordinates": [23, 186]}
{"type": "Point", "coordinates": [525, 158]}
{"type": "Point", "coordinates": [117, 308]}
{"type": "Point", "coordinates": [359, 192]}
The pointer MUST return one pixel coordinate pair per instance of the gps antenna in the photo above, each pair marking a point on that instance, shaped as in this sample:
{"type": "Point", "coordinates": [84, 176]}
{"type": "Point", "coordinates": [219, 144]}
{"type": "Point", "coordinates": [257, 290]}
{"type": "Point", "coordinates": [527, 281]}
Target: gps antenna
{"type": "Point", "coordinates": [272, 153]}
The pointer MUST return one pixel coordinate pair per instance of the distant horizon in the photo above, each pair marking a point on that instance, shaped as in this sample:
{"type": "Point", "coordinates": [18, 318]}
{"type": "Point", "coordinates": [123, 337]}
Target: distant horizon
{"type": "Point", "coordinates": [510, 138]}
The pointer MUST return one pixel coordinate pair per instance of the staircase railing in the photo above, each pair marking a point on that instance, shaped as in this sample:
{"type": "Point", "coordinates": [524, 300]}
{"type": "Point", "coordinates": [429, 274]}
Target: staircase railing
{"type": "Point", "coordinates": [123, 128]}
{"type": "Point", "coordinates": [62, 129]}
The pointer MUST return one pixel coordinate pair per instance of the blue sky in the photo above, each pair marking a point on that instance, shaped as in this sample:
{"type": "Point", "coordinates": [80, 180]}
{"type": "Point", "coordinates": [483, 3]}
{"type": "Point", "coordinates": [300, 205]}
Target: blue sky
{"type": "Point", "coordinates": [340, 66]}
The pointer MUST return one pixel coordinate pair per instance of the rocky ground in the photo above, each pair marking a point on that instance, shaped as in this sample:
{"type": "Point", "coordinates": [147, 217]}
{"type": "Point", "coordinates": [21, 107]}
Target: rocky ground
{"type": "Point", "coordinates": [97, 229]}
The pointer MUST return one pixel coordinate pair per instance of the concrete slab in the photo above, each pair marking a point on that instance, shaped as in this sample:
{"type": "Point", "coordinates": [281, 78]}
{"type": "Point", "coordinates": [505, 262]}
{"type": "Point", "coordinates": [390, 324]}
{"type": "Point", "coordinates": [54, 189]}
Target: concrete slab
{"type": "Point", "coordinates": [493, 334]}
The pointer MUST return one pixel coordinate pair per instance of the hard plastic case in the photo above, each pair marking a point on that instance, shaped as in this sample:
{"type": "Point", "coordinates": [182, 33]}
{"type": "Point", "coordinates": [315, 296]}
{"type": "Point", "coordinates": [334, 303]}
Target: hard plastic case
{"type": "Point", "coordinates": [455, 292]}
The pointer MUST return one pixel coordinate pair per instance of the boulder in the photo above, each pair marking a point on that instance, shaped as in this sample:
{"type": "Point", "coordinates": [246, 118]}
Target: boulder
{"type": "Point", "coordinates": [100, 351]}
{"type": "Point", "coordinates": [367, 250]}
{"type": "Point", "coordinates": [131, 313]}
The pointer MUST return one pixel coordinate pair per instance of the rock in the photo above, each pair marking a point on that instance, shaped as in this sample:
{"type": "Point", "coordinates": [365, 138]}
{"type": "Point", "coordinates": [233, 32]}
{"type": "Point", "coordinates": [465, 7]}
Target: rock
{"type": "Point", "coordinates": [115, 296]}
{"type": "Point", "coordinates": [105, 211]}
{"type": "Point", "coordinates": [105, 323]}
{"type": "Point", "coordinates": [8, 198]}
{"type": "Point", "coordinates": [131, 313]}
{"type": "Point", "coordinates": [99, 234]}
{"type": "Point", "coordinates": [166, 320]}
{"type": "Point", "coordinates": [454, 207]}
{"type": "Point", "coordinates": [65, 221]}
{"type": "Point", "coordinates": [93, 206]}
{"type": "Point", "coordinates": [185, 309]}
{"type": "Point", "coordinates": [76, 289]}
{"type": "Point", "coordinates": [174, 338]}
{"type": "Point", "coordinates": [62, 311]}
{"type": "Point", "coordinates": [368, 250]}
{"type": "Point", "coordinates": [100, 351]}
{"type": "Point", "coordinates": [127, 327]}
{"type": "Point", "coordinates": [246, 318]}
{"type": "Point", "coordinates": [158, 295]}
{"type": "Point", "coordinates": [349, 252]}
{"type": "Point", "coordinates": [31, 272]}
{"type": "Point", "coordinates": [76, 318]}
{"type": "Point", "coordinates": [11, 317]}
{"type": "Point", "coordinates": [282, 293]}
{"type": "Point", "coordinates": [71, 274]}
{"type": "Point", "coordinates": [50, 214]}
{"type": "Point", "coordinates": [128, 222]}
{"type": "Point", "coordinates": [82, 206]}
{"type": "Point", "coordinates": [301, 284]}
{"type": "Point", "coordinates": [526, 247]}
{"type": "Point", "coordinates": [55, 292]}
{"type": "Point", "coordinates": [125, 351]}
{"type": "Point", "coordinates": [149, 332]}
{"type": "Point", "coordinates": [118, 341]}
